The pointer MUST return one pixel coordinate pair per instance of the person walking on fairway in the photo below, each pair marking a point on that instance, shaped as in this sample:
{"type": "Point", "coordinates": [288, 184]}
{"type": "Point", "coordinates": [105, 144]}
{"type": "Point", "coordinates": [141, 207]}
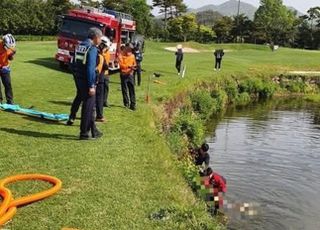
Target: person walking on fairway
{"type": "Point", "coordinates": [86, 56]}
{"type": "Point", "coordinates": [102, 81]}
{"type": "Point", "coordinates": [7, 51]}
{"type": "Point", "coordinates": [127, 62]}
{"type": "Point", "coordinates": [179, 58]}
{"type": "Point", "coordinates": [218, 55]}
{"type": "Point", "coordinates": [139, 57]}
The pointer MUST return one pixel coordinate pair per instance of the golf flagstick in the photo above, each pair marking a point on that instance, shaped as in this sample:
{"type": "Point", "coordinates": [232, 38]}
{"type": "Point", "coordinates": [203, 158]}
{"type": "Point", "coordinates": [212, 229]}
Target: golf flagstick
{"type": "Point", "coordinates": [184, 71]}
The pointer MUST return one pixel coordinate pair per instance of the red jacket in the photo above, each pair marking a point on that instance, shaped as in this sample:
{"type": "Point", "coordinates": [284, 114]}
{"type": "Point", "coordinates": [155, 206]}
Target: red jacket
{"type": "Point", "coordinates": [218, 182]}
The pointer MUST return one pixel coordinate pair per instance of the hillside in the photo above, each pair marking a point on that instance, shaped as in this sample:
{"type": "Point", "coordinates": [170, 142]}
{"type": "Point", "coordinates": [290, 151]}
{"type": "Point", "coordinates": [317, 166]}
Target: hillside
{"type": "Point", "coordinates": [230, 8]}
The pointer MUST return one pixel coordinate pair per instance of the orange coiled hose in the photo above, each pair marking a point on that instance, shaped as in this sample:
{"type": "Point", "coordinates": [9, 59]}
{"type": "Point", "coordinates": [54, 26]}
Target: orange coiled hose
{"type": "Point", "coordinates": [9, 205]}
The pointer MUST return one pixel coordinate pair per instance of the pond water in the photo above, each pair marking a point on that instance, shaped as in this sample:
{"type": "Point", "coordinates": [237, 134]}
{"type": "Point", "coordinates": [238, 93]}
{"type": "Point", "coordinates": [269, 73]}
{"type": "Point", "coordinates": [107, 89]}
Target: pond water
{"type": "Point", "coordinates": [270, 155]}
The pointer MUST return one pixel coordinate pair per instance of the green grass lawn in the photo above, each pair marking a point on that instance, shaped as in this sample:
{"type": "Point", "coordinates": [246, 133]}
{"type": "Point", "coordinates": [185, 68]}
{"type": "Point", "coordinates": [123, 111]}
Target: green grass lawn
{"type": "Point", "coordinates": [118, 181]}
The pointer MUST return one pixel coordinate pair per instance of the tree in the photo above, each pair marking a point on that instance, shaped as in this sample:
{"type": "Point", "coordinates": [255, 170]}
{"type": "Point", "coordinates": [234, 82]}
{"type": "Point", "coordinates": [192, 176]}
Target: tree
{"type": "Point", "coordinates": [183, 28]}
{"type": "Point", "coordinates": [118, 5]}
{"type": "Point", "coordinates": [171, 8]}
{"type": "Point", "coordinates": [204, 34]}
{"type": "Point", "coordinates": [223, 29]}
{"type": "Point", "coordinates": [139, 9]}
{"type": "Point", "coordinates": [92, 3]}
{"type": "Point", "coordinates": [273, 21]}
{"type": "Point", "coordinates": [308, 35]}
{"type": "Point", "coordinates": [313, 16]}
{"type": "Point", "coordinates": [242, 28]}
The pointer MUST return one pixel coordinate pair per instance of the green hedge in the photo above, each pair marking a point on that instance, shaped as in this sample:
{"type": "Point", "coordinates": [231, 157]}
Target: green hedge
{"type": "Point", "coordinates": [35, 38]}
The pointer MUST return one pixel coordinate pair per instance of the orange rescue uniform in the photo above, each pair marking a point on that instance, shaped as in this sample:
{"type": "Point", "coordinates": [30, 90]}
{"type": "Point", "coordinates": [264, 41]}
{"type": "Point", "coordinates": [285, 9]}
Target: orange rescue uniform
{"type": "Point", "coordinates": [5, 55]}
{"type": "Point", "coordinates": [127, 64]}
{"type": "Point", "coordinates": [103, 63]}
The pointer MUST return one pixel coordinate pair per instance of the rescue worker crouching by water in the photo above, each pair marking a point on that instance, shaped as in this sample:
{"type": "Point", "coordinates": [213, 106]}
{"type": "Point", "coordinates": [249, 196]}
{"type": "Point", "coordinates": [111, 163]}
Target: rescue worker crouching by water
{"type": "Point", "coordinates": [219, 185]}
{"type": "Point", "coordinates": [102, 90]}
{"type": "Point", "coordinates": [86, 56]}
{"type": "Point", "coordinates": [7, 51]}
{"type": "Point", "coordinates": [201, 158]}
{"type": "Point", "coordinates": [128, 65]}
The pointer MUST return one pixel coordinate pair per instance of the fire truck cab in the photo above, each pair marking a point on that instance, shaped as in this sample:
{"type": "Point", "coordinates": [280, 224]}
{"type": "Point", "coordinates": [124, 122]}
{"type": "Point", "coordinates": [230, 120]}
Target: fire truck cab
{"type": "Point", "coordinates": [118, 27]}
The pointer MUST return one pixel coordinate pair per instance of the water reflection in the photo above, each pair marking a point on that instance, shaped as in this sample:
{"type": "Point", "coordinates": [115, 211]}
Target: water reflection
{"type": "Point", "coordinates": [270, 155]}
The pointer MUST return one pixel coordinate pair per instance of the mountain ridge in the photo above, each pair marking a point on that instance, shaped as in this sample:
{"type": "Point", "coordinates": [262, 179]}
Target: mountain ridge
{"type": "Point", "coordinates": [230, 8]}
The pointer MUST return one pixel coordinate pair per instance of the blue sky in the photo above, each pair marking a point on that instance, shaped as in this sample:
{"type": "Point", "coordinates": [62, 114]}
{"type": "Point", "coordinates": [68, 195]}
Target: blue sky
{"type": "Point", "coordinates": [301, 5]}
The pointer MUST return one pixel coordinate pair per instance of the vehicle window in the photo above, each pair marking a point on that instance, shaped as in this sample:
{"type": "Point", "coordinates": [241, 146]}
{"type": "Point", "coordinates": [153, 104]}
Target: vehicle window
{"type": "Point", "coordinates": [125, 37]}
{"type": "Point", "coordinates": [110, 33]}
{"type": "Point", "coordinates": [76, 29]}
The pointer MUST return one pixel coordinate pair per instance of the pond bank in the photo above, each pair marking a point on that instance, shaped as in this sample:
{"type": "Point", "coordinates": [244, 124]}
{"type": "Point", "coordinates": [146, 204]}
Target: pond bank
{"type": "Point", "coordinates": [184, 117]}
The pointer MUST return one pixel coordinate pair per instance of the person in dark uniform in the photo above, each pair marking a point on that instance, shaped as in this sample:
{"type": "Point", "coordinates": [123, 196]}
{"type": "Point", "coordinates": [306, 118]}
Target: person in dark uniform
{"type": "Point", "coordinates": [201, 158]}
{"type": "Point", "coordinates": [86, 56]}
{"type": "Point", "coordinates": [218, 56]}
{"type": "Point", "coordinates": [139, 57]}
{"type": "Point", "coordinates": [179, 58]}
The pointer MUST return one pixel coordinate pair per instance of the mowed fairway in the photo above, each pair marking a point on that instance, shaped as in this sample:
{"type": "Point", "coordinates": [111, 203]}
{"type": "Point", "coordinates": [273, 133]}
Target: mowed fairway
{"type": "Point", "coordinates": [118, 181]}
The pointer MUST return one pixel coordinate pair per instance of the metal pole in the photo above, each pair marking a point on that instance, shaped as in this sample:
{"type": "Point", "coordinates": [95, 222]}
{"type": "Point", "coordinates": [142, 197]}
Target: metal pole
{"type": "Point", "coordinates": [238, 22]}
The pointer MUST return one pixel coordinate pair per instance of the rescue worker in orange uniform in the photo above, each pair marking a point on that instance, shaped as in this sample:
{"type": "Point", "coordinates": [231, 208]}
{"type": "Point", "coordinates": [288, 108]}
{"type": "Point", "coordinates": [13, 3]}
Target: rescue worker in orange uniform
{"type": "Point", "coordinates": [103, 74]}
{"type": "Point", "coordinates": [7, 51]}
{"type": "Point", "coordinates": [127, 62]}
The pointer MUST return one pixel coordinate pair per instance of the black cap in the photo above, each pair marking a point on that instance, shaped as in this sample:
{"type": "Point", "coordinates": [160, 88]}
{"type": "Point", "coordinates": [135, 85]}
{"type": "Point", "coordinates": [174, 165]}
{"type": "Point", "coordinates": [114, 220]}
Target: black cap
{"type": "Point", "coordinates": [205, 147]}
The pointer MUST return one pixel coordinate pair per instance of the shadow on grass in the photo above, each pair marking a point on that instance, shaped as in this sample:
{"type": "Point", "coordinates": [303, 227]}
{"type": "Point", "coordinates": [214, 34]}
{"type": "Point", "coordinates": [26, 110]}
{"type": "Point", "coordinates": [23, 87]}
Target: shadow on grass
{"type": "Point", "coordinates": [66, 103]}
{"type": "Point", "coordinates": [49, 63]}
{"type": "Point", "coordinates": [38, 134]}
{"type": "Point", "coordinates": [43, 121]}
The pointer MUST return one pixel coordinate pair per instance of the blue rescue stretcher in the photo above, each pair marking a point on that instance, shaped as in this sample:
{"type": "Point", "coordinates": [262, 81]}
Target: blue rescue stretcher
{"type": "Point", "coordinates": [34, 113]}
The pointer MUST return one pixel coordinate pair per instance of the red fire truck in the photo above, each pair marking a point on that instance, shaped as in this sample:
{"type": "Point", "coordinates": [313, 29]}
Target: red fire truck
{"type": "Point", "coordinates": [118, 27]}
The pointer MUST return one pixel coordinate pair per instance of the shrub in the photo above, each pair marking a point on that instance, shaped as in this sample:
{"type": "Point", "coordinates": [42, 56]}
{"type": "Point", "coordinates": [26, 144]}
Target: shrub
{"type": "Point", "coordinates": [221, 98]}
{"type": "Point", "coordinates": [203, 104]}
{"type": "Point", "coordinates": [243, 99]}
{"type": "Point", "coordinates": [189, 169]}
{"type": "Point", "coordinates": [296, 86]}
{"type": "Point", "coordinates": [231, 88]}
{"type": "Point", "coordinates": [251, 86]}
{"type": "Point", "coordinates": [268, 89]}
{"type": "Point", "coordinates": [191, 126]}
{"type": "Point", "coordinates": [176, 142]}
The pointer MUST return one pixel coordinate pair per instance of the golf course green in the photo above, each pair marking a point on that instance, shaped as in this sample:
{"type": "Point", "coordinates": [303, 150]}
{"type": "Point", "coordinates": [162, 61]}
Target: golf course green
{"type": "Point", "coordinates": [117, 182]}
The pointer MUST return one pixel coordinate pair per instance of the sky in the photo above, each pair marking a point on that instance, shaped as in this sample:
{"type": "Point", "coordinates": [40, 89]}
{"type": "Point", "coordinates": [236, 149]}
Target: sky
{"type": "Point", "coordinates": [301, 5]}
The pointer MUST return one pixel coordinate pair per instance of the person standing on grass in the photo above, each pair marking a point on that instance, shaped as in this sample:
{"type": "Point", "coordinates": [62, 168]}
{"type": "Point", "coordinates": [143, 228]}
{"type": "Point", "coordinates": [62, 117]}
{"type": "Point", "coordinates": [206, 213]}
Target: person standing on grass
{"type": "Point", "coordinates": [139, 57]}
{"type": "Point", "coordinates": [127, 62]}
{"type": "Point", "coordinates": [179, 58]}
{"type": "Point", "coordinates": [107, 58]}
{"type": "Point", "coordinates": [86, 56]}
{"type": "Point", "coordinates": [102, 69]}
{"type": "Point", "coordinates": [218, 56]}
{"type": "Point", "coordinates": [7, 51]}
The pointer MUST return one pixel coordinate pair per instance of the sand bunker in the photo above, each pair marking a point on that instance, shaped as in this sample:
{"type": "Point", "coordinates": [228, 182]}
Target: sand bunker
{"type": "Point", "coordinates": [305, 72]}
{"type": "Point", "coordinates": [185, 49]}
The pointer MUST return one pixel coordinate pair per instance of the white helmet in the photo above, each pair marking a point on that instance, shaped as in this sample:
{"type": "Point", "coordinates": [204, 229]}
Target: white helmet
{"type": "Point", "coordinates": [9, 41]}
{"type": "Point", "coordinates": [106, 41]}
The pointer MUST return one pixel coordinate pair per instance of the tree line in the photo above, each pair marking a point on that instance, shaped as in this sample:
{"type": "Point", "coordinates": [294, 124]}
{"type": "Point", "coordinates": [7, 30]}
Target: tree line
{"type": "Point", "coordinates": [273, 22]}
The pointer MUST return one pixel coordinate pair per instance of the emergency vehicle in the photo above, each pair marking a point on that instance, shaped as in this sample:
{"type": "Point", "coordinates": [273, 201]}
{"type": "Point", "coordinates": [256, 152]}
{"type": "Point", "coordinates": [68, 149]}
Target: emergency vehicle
{"type": "Point", "coordinates": [118, 27]}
